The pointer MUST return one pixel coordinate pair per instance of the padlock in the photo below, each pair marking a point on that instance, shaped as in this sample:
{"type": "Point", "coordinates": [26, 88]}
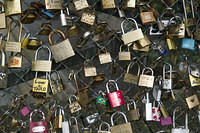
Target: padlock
{"type": "Point", "coordinates": [91, 119]}
{"type": "Point", "coordinates": [146, 80]}
{"type": "Point", "coordinates": [103, 131]}
{"type": "Point", "coordinates": [62, 50]}
{"type": "Point", "coordinates": [160, 24]}
{"type": "Point", "coordinates": [90, 71]}
{"type": "Point", "coordinates": [15, 61]}
{"type": "Point", "coordinates": [87, 130]}
{"type": "Point", "coordinates": [130, 78]}
{"type": "Point", "coordinates": [131, 36]}
{"type": "Point", "coordinates": [192, 101]}
{"type": "Point", "coordinates": [194, 71]}
{"type": "Point", "coordinates": [137, 47]}
{"type": "Point", "coordinates": [80, 4]}
{"type": "Point", "coordinates": [74, 128]}
{"type": "Point", "coordinates": [25, 40]}
{"type": "Point", "coordinates": [83, 98]}
{"type": "Point", "coordinates": [101, 98]}
{"type": "Point", "coordinates": [154, 30]}
{"type": "Point", "coordinates": [144, 41]}
{"type": "Point", "coordinates": [116, 98]}
{"type": "Point", "coordinates": [13, 7]}
{"type": "Point", "coordinates": [55, 84]}
{"type": "Point", "coordinates": [107, 4]}
{"type": "Point", "coordinates": [148, 108]}
{"type": "Point", "coordinates": [182, 129]}
{"type": "Point", "coordinates": [53, 4]}
{"type": "Point", "coordinates": [74, 106]}
{"type": "Point", "coordinates": [166, 119]}
{"type": "Point", "coordinates": [133, 114]}
{"type": "Point", "coordinates": [104, 57]}
{"type": "Point", "coordinates": [45, 28]}
{"type": "Point", "coordinates": [121, 13]}
{"type": "Point", "coordinates": [38, 127]}
{"type": "Point", "coordinates": [124, 55]}
{"type": "Point", "coordinates": [2, 16]}
{"type": "Point", "coordinates": [194, 81]}
{"type": "Point", "coordinates": [171, 44]}
{"type": "Point", "coordinates": [3, 70]}
{"type": "Point", "coordinates": [188, 43]}
{"type": "Point", "coordinates": [69, 19]}
{"type": "Point", "coordinates": [167, 83]}
{"type": "Point", "coordinates": [73, 30]}
{"type": "Point", "coordinates": [129, 4]}
{"type": "Point", "coordinates": [146, 15]}
{"type": "Point", "coordinates": [28, 16]}
{"type": "Point", "coordinates": [121, 128]}
{"type": "Point", "coordinates": [156, 112]}
{"type": "Point", "coordinates": [25, 111]}
{"type": "Point", "coordinates": [88, 18]}
{"type": "Point", "coordinates": [157, 92]}
{"type": "Point", "coordinates": [34, 43]}
{"type": "Point", "coordinates": [63, 18]}
{"type": "Point", "coordinates": [163, 110]}
{"type": "Point", "coordinates": [57, 123]}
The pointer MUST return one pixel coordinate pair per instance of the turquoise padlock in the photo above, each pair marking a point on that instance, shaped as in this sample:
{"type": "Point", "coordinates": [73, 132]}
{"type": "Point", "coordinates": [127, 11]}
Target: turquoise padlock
{"type": "Point", "coordinates": [188, 44]}
{"type": "Point", "coordinates": [101, 98]}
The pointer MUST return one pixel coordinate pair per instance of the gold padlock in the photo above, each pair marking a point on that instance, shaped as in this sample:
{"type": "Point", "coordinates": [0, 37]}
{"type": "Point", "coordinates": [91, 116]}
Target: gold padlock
{"type": "Point", "coordinates": [13, 7]}
{"type": "Point", "coordinates": [194, 81]}
{"type": "Point", "coordinates": [146, 80]}
{"type": "Point", "coordinates": [192, 101]}
{"type": "Point", "coordinates": [124, 55]}
{"type": "Point", "coordinates": [74, 106]}
{"type": "Point", "coordinates": [15, 61]}
{"type": "Point", "coordinates": [129, 4]}
{"type": "Point", "coordinates": [104, 57]}
{"type": "Point", "coordinates": [108, 4]}
{"type": "Point", "coordinates": [146, 15]}
{"type": "Point", "coordinates": [80, 4]}
{"type": "Point", "coordinates": [144, 41]}
{"type": "Point", "coordinates": [2, 16]}
{"type": "Point", "coordinates": [171, 44]}
{"type": "Point", "coordinates": [53, 4]}
{"type": "Point", "coordinates": [90, 71]}
{"type": "Point", "coordinates": [139, 48]}
{"type": "Point", "coordinates": [88, 18]}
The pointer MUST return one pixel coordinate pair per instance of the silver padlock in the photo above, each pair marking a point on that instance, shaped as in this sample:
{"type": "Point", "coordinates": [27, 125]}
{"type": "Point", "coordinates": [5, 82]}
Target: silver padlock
{"type": "Point", "coordinates": [65, 123]}
{"type": "Point", "coordinates": [100, 128]}
{"type": "Point", "coordinates": [92, 118]}
{"type": "Point", "coordinates": [167, 83]}
{"type": "Point", "coordinates": [148, 108]}
{"type": "Point", "coordinates": [63, 18]}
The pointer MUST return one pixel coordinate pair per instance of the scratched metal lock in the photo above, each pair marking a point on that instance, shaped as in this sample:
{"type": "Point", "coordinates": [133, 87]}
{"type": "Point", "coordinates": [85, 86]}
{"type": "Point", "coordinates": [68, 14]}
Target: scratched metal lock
{"type": "Point", "coordinates": [133, 35]}
{"type": "Point", "coordinates": [188, 43]}
{"type": "Point", "coordinates": [3, 71]}
{"type": "Point", "coordinates": [104, 57]}
{"type": "Point", "coordinates": [144, 41]}
{"type": "Point", "coordinates": [192, 101]}
{"type": "Point", "coordinates": [53, 4]}
{"type": "Point", "coordinates": [2, 16]}
{"type": "Point", "coordinates": [103, 131]}
{"type": "Point", "coordinates": [133, 114]}
{"type": "Point", "coordinates": [90, 71]}
{"type": "Point", "coordinates": [88, 18]}
{"type": "Point", "coordinates": [62, 50]}
{"type": "Point", "coordinates": [56, 84]}
{"type": "Point", "coordinates": [13, 7]}
{"type": "Point", "coordinates": [107, 4]}
{"type": "Point", "coordinates": [130, 78]}
{"type": "Point", "coordinates": [74, 106]}
{"type": "Point", "coordinates": [146, 15]}
{"type": "Point", "coordinates": [15, 61]}
{"type": "Point", "coordinates": [124, 55]}
{"type": "Point", "coordinates": [167, 83]}
{"type": "Point", "coordinates": [194, 81]}
{"type": "Point", "coordinates": [80, 4]}
{"type": "Point", "coordinates": [146, 80]}
{"type": "Point", "coordinates": [129, 4]}
{"type": "Point", "coordinates": [74, 128]}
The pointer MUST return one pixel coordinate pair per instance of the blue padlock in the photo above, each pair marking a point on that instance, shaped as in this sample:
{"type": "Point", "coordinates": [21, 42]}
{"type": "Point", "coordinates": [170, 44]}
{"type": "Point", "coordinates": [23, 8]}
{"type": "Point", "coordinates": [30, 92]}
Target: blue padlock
{"type": "Point", "coordinates": [188, 44]}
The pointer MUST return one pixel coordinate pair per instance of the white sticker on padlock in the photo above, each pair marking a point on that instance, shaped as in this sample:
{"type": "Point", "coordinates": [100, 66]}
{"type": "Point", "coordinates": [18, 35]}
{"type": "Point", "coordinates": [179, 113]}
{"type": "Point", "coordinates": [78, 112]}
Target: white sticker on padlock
{"type": "Point", "coordinates": [38, 129]}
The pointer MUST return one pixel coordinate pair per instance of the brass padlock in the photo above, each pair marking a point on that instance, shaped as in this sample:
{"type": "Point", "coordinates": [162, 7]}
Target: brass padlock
{"type": "Point", "coordinates": [53, 4]}
{"type": "Point", "coordinates": [13, 7]}
{"type": "Point", "coordinates": [34, 43]}
{"type": "Point", "coordinates": [144, 41]}
{"type": "Point", "coordinates": [133, 114]}
{"type": "Point", "coordinates": [194, 81]}
{"type": "Point", "coordinates": [15, 61]}
{"type": "Point", "coordinates": [104, 57]}
{"type": "Point", "coordinates": [90, 71]}
{"type": "Point", "coordinates": [57, 123]}
{"type": "Point", "coordinates": [130, 78]}
{"type": "Point", "coordinates": [28, 16]}
{"type": "Point", "coordinates": [146, 15]}
{"type": "Point", "coordinates": [124, 55]}
{"type": "Point", "coordinates": [139, 48]}
{"type": "Point", "coordinates": [163, 110]}
{"type": "Point", "coordinates": [108, 4]}
{"type": "Point", "coordinates": [74, 106]}
{"type": "Point", "coordinates": [146, 80]}
{"type": "Point", "coordinates": [55, 84]}
{"type": "Point", "coordinates": [192, 101]}
{"type": "Point", "coordinates": [100, 128]}
{"type": "Point", "coordinates": [80, 4]}
{"type": "Point", "coordinates": [129, 4]}
{"type": "Point", "coordinates": [88, 18]}
{"type": "Point", "coordinates": [62, 50]}
{"type": "Point", "coordinates": [171, 44]}
{"type": "Point", "coordinates": [45, 28]}
{"type": "Point", "coordinates": [3, 71]}
{"type": "Point", "coordinates": [2, 16]}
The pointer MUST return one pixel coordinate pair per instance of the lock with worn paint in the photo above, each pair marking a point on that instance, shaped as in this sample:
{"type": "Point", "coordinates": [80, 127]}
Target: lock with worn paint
{"type": "Point", "coordinates": [88, 17]}
{"type": "Point", "coordinates": [132, 114]}
{"type": "Point", "coordinates": [156, 112]}
{"type": "Point", "coordinates": [103, 131]}
{"type": "Point", "coordinates": [146, 80]}
{"type": "Point", "coordinates": [56, 84]}
{"type": "Point", "coordinates": [104, 57]}
{"type": "Point", "coordinates": [133, 35]}
{"type": "Point", "coordinates": [194, 81]}
{"type": "Point", "coordinates": [74, 106]}
{"type": "Point", "coordinates": [148, 108]}
{"type": "Point", "coordinates": [101, 98]}
{"type": "Point", "coordinates": [2, 16]}
{"type": "Point", "coordinates": [146, 15]}
{"type": "Point", "coordinates": [3, 70]}
{"type": "Point", "coordinates": [40, 126]}
{"type": "Point", "coordinates": [57, 123]}
{"type": "Point", "coordinates": [62, 50]}
{"type": "Point", "coordinates": [188, 43]}
{"type": "Point", "coordinates": [74, 128]}
{"type": "Point", "coordinates": [13, 7]}
{"type": "Point", "coordinates": [124, 55]}
{"type": "Point", "coordinates": [108, 4]}
{"type": "Point", "coordinates": [167, 83]}
{"type": "Point", "coordinates": [180, 129]}
{"type": "Point", "coordinates": [80, 4]}
{"type": "Point", "coordinates": [129, 4]}
{"type": "Point", "coordinates": [116, 98]}
{"type": "Point", "coordinates": [53, 4]}
{"type": "Point", "coordinates": [90, 71]}
{"type": "Point", "coordinates": [121, 128]}
{"type": "Point", "coordinates": [130, 78]}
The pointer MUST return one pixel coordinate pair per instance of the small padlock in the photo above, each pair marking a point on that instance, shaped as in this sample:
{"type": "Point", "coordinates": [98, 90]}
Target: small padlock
{"type": "Point", "coordinates": [28, 16]}
{"type": "Point", "coordinates": [133, 114]}
{"type": "Point", "coordinates": [2, 17]}
{"type": "Point", "coordinates": [45, 28]}
{"type": "Point", "coordinates": [92, 118]}
{"type": "Point", "coordinates": [90, 71]}
{"type": "Point", "coordinates": [55, 84]}
{"type": "Point", "coordinates": [188, 43]}
{"type": "Point", "coordinates": [80, 4]}
{"type": "Point", "coordinates": [137, 47]}
{"type": "Point", "coordinates": [103, 131]}
{"type": "Point", "coordinates": [166, 119]}
{"type": "Point", "coordinates": [74, 128]}
{"type": "Point", "coordinates": [160, 24]}
{"type": "Point", "coordinates": [74, 106]}
{"type": "Point", "coordinates": [192, 101]}
{"type": "Point", "coordinates": [13, 7]}
{"type": "Point", "coordinates": [131, 36]}
{"type": "Point", "coordinates": [73, 30]}
{"type": "Point", "coordinates": [107, 4]}
{"type": "Point", "coordinates": [189, 21]}
{"type": "Point", "coordinates": [167, 83]}
{"type": "Point", "coordinates": [124, 55]}
{"type": "Point", "coordinates": [146, 80]}
{"type": "Point", "coordinates": [163, 110]}
{"type": "Point", "coordinates": [25, 111]}
{"type": "Point", "coordinates": [62, 50]}
{"type": "Point", "coordinates": [57, 123]}
{"type": "Point", "coordinates": [66, 19]}
{"type": "Point", "coordinates": [194, 81]}
{"type": "Point", "coordinates": [148, 108]}
{"type": "Point", "coordinates": [101, 98]}
{"type": "Point", "coordinates": [129, 4]}
{"type": "Point", "coordinates": [53, 4]}
{"type": "Point", "coordinates": [15, 61]}
{"type": "Point", "coordinates": [194, 71]}
{"type": "Point", "coordinates": [63, 18]}
{"type": "Point", "coordinates": [104, 57]}
{"type": "Point", "coordinates": [171, 44]}
{"type": "Point", "coordinates": [146, 15]}
{"type": "Point", "coordinates": [88, 18]}
{"type": "Point", "coordinates": [3, 71]}
{"type": "Point", "coordinates": [34, 43]}
{"type": "Point", "coordinates": [156, 112]}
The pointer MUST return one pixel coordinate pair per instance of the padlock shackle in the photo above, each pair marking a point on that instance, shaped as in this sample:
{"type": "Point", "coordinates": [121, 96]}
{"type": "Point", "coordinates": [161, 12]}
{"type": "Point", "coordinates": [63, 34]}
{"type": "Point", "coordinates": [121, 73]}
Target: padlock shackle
{"type": "Point", "coordinates": [37, 110]}
{"type": "Point", "coordinates": [131, 64]}
{"type": "Point", "coordinates": [175, 17]}
{"type": "Point", "coordinates": [2, 6]}
{"type": "Point", "coordinates": [3, 58]}
{"type": "Point", "coordinates": [167, 10]}
{"type": "Point", "coordinates": [41, 47]}
{"type": "Point", "coordinates": [120, 49]}
{"type": "Point", "coordinates": [164, 70]}
{"type": "Point", "coordinates": [51, 35]}
{"type": "Point", "coordinates": [99, 50]}
{"type": "Point", "coordinates": [88, 62]}
{"type": "Point", "coordinates": [147, 68]}
{"type": "Point", "coordinates": [72, 96]}
{"type": "Point", "coordinates": [111, 81]}
{"type": "Point", "coordinates": [174, 118]}
{"type": "Point", "coordinates": [122, 24]}
{"type": "Point", "coordinates": [73, 118]}
{"type": "Point", "coordinates": [20, 29]}
{"type": "Point", "coordinates": [101, 93]}
{"type": "Point", "coordinates": [131, 101]}
{"type": "Point", "coordinates": [104, 123]}
{"type": "Point", "coordinates": [118, 112]}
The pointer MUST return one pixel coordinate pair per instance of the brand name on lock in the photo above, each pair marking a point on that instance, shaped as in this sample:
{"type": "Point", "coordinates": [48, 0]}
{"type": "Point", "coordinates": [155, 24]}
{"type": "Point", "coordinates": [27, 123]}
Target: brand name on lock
{"type": "Point", "coordinates": [40, 85]}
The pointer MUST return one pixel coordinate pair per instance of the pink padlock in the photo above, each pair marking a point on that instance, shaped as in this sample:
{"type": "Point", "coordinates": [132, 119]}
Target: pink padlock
{"type": "Point", "coordinates": [116, 98]}
{"type": "Point", "coordinates": [165, 121]}
{"type": "Point", "coordinates": [25, 111]}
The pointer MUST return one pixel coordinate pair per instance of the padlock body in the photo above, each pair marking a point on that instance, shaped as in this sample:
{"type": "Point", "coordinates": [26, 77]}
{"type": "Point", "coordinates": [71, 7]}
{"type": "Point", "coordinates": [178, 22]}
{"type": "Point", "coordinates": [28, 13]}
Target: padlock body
{"type": "Point", "coordinates": [3, 77]}
{"type": "Point", "coordinates": [130, 78]}
{"type": "Point", "coordinates": [2, 20]}
{"type": "Point", "coordinates": [165, 121]}
{"type": "Point", "coordinates": [188, 44]}
{"type": "Point", "coordinates": [74, 129]}
{"type": "Point", "coordinates": [194, 81]}
{"type": "Point", "coordinates": [116, 98]}
{"type": "Point", "coordinates": [101, 100]}
{"type": "Point", "coordinates": [25, 111]}
{"type": "Point", "coordinates": [15, 62]}
{"type": "Point", "coordinates": [40, 85]}
{"type": "Point", "coordinates": [133, 115]}
{"type": "Point", "coordinates": [148, 112]}
{"type": "Point", "coordinates": [132, 36]}
{"type": "Point", "coordinates": [192, 101]}
{"type": "Point", "coordinates": [124, 56]}
{"type": "Point", "coordinates": [122, 128]}
{"type": "Point", "coordinates": [179, 130]}
{"type": "Point", "coordinates": [65, 127]}
{"type": "Point", "coordinates": [38, 127]}
{"type": "Point", "coordinates": [167, 84]}
{"type": "Point", "coordinates": [74, 107]}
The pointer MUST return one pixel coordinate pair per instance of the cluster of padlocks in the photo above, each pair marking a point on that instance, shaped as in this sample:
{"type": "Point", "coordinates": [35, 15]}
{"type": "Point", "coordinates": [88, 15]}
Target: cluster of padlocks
{"type": "Point", "coordinates": [155, 78]}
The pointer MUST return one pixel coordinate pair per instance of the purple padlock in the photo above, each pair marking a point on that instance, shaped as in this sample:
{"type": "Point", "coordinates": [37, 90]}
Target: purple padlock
{"type": "Point", "coordinates": [165, 121]}
{"type": "Point", "coordinates": [25, 111]}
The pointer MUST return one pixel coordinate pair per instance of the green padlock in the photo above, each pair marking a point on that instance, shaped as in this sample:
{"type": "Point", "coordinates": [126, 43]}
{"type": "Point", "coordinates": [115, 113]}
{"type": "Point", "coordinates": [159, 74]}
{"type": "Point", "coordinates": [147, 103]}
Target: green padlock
{"type": "Point", "coordinates": [101, 98]}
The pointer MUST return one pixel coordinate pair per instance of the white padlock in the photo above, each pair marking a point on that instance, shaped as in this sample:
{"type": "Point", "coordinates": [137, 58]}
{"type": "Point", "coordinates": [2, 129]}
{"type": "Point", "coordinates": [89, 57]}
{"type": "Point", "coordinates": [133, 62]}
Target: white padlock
{"type": "Point", "coordinates": [148, 108]}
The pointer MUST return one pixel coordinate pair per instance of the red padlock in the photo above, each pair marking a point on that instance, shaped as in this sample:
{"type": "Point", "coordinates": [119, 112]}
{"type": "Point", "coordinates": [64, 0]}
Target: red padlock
{"type": "Point", "coordinates": [116, 98]}
{"type": "Point", "coordinates": [38, 127]}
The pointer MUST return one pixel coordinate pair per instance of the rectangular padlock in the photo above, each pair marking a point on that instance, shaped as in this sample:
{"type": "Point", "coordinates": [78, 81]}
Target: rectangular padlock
{"type": "Point", "coordinates": [188, 44]}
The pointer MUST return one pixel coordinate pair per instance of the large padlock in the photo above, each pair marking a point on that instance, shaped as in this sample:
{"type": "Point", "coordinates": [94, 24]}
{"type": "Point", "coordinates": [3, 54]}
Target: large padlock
{"type": "Point", "coordinates": [116, 98]}
{"type": "Point", "coordinates": [124, 55]}
{"type": "Point", "coordinates": [74, 128]}
{"type": "Point", "coordinates": [3, 71]}
{"type": "Point", "coordinates": [80, 4]}
{"type": "Point", "coordinates": [188, 43]}
{"type": "Point", "coordinates": [62, 50]}
{"type": "Point", "coordinates": [146, 15]}
{"type": "Point", "coordinates": [148, 108]}
{"type": "Point", "coordinates": [182, 129]}
{"type": "Point", "coordinates": [2, 16]}
{"type": "Point", "coordinates": [146, 80]}
{"type": "Point", "coordinates": [194, 81]}
{"type": "Point", "coordinates": [55, 84]}
{"type": "Point", "coordinates": [53, 4]}
{"type": "Point", "coordinates": [88, 18]}
{"type": "Point", "coordinates": [74, 106]}
{"type": "Point", "coordinates": [90, 71]}
{"type": "Point", "coordinates": [129, 4]}
{"type": "Point", "coordinates": [103, 131]}
{"type": "Point", "coordinates": [133, 114]}
{"type": "Point", "coordinates": [13, 7]}
{"type": "Point", "coordinates": [121, 128]}
{"type": "Point", "coordinates": [130, 78]}
{"type": "Point", "coordinates": [167, 83]}
{"type": "Point", "coordinates": [57, 123]}
{"type": "Point", "coordinates": [104, 57]}
{"type": "Point", "coordinates": [38, 127]}
{"type": "Point", "coordinates": [133, 35]}
{"type": "Point", "coordinates": [101, 98]}
{"type": "Point", "coordinates": [156, 112]}
{"type": "Point", "coordinates": [107, 4]}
